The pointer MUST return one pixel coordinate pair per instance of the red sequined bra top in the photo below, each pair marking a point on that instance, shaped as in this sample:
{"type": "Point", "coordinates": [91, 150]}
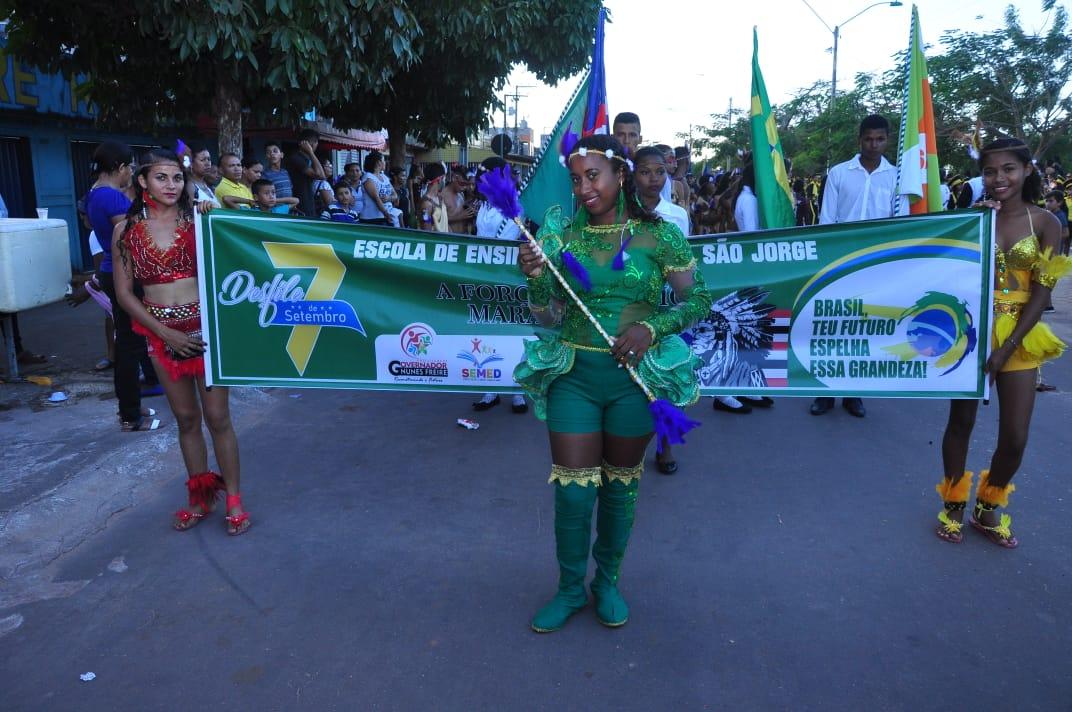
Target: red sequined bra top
{"type": "Point", "coordinates": [155, 266]}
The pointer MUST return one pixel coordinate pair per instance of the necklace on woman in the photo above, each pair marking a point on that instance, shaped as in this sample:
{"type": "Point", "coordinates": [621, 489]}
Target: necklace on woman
{"type": "Point", "coordinates": [620, 228]}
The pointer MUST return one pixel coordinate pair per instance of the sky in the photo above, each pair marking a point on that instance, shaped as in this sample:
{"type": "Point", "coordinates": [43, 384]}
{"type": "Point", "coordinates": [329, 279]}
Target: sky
{"type": "Point", "coordinates": [676, 62]}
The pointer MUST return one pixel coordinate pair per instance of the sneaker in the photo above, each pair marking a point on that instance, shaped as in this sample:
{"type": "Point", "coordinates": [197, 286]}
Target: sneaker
{"type": "Point", "coordinates": [519, 405]}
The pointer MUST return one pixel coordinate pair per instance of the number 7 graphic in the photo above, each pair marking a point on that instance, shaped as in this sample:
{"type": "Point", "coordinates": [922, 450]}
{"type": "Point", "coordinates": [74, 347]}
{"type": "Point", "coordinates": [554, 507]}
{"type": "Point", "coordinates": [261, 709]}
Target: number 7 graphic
{"type": "Point", "coordinates": [326, 282]}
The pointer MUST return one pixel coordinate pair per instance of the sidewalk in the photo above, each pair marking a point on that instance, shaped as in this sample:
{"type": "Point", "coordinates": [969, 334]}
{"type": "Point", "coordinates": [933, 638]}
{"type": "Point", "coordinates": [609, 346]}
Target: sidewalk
{"type": "Point", "coordinates": [68, 470]}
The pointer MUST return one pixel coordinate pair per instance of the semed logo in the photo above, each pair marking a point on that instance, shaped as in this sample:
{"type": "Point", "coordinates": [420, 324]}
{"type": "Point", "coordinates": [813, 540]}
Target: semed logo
{"type": "Point", "coordinates": [479, 357]}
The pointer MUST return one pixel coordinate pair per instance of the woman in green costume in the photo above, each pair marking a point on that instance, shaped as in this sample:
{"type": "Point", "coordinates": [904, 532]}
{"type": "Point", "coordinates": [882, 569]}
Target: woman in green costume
{"type": "Point", "coordinates": [617, 256]}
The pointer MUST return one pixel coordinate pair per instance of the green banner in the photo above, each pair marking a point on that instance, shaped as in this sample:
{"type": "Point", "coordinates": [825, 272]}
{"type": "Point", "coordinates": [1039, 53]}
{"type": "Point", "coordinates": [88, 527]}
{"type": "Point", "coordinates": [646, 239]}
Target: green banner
{"type": "Point", "coordinates": [895, 308]}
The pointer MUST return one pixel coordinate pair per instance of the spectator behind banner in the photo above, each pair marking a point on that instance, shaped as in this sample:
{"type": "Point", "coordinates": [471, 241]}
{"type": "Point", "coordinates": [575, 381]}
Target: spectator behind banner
{"type": "Point", "coordinates": [398, 182]}
{"type": "Point", "coordinates": [323, 190]}
{"type": "Point", "coordinates": [342, 208]}
{"type": "Point", "coordinates": [861, 188]}
{"type": "Point", "coordinates": [626, 128]}
{"type": "Point", "coordinates": [275, 172]}
{"type": "Point", "coordinates": [433, 210]}
{"type": "Point", "coordinates": [231, 192]}
{"type": "Point", "coordinates": [200, 171]}
{"type": "Point", "coordinates": [651, 173]}
{"type": "Point", "coordinates": [265, 199]}
{"type": "Point", "coordinates": [305, 169]}
{"type": "Point", "coordinates": [459, 213]}
{"type": "Point", "coordinates": [379, 194]}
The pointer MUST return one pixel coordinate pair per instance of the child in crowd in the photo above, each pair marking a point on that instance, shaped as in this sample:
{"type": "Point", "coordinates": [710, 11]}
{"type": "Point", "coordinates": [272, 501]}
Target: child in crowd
{"type": "Point", "coordinates": [265, 200]}
{"type": "Point", "coordinates": [343, 209]}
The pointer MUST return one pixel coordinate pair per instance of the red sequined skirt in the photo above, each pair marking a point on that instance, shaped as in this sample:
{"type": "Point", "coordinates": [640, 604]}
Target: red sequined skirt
{"type": "Point", "coordinates": [181, 317]}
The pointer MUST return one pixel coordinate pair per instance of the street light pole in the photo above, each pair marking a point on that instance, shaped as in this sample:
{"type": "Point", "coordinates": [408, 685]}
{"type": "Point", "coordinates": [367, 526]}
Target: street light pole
{"type": "Point", "coordinates": [836, 30]}
{"type": "Point", "coordinates": [833, 74]}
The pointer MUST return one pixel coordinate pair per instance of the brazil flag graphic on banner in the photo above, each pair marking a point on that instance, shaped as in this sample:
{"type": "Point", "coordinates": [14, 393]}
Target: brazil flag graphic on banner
{"type": "Point", "coordinates": [898, 307]}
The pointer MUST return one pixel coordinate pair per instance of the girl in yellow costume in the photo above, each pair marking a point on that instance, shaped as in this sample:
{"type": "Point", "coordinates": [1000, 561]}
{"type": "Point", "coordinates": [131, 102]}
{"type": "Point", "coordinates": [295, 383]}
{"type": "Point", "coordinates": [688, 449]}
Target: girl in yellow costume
{"type": "Point", "coordinates": [1028, 264]}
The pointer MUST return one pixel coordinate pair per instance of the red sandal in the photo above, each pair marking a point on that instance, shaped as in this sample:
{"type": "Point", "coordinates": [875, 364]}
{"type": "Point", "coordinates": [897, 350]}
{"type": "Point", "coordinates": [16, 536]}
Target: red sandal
{"type": "Point", "coordinates": [203, 489]}
{"type": "Point", "coordinates": [237, 523]}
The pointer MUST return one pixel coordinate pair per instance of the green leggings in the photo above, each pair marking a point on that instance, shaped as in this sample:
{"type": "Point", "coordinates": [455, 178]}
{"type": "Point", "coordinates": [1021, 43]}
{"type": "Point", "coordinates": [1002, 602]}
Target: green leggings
{"type": "Point", "coordinates": [597, 396]}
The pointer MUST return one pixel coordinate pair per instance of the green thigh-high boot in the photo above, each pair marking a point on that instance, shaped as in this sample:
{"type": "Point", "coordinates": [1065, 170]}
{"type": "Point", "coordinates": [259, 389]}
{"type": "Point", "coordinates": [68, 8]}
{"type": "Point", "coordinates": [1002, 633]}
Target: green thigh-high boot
{"type": "Point", "coordinates": [614, 522]}
{"type": "Point", "coordinates": [575, 496]}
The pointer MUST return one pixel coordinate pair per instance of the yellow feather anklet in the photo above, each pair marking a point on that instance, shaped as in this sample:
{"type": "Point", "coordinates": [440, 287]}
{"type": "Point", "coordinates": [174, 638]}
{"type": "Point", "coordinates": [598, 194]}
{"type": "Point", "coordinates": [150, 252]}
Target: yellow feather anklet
{"type": "Point", "coordinates": [957, 491]}
{"type": "Point", "coordinates": [991, 494]}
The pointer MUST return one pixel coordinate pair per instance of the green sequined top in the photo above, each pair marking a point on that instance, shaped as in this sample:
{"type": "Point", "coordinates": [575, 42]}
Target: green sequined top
{"type": "Point", "coordinates": [620, 298]}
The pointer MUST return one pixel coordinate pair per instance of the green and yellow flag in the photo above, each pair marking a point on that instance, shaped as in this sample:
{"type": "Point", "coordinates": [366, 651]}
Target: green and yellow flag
{"type": "Point", "coordinates": [772, 182]}
{"type": "Point", "coordinates": [918, 179]}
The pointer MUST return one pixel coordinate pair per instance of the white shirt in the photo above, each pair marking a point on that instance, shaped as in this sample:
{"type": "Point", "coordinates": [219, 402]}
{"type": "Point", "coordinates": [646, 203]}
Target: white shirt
{"type": "Point", "coordinates": [673, 214]}
{"type": "Point", "coordinates": [667, 193]}
{"type": "Point", "coordinates": [369, 211]}
{"type": "Point", "coordinates": [746, 211]}
{"type": "Point", "coordinates": [852, 193]}
{"type": "Point", "coordinates": [490, 222]}
{"type": "Point", "coordinates": [205, 196]}
{"type": "Point", "coordinates": [976, 184]}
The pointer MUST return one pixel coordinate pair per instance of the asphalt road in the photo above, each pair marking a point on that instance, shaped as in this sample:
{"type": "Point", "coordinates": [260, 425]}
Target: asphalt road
{"type": "Point", "coordinates": [395, 560]}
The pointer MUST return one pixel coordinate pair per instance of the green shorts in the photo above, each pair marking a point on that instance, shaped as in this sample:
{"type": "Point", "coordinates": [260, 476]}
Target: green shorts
{"type": "Point", "coordinates": [596, 396]}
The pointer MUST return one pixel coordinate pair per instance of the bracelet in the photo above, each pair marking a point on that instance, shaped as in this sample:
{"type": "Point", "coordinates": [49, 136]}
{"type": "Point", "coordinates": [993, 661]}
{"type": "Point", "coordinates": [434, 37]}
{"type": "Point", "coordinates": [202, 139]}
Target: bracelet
{"type": "Point", "coordinates": [1012, 341]}
{"type": "Point", "coordinates": [538, 309]}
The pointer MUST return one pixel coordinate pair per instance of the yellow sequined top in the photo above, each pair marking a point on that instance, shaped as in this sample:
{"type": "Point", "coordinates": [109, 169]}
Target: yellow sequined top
{"type": "Point", "coordinates": [1023, 264]}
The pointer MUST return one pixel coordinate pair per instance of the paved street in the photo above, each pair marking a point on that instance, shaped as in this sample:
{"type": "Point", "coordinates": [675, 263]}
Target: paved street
{"type": "Point", "coordinates": [395, 560]}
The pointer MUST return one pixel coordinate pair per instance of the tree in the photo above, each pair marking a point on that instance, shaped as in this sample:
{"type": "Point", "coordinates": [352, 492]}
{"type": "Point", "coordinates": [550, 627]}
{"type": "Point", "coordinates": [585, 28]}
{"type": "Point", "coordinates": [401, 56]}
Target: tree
{"type": "Point", "coordinates": [1016, 83]}
{"type": "Point", "coordinates": [166, 62]}
{"type": "Point", "coordinates": [467, 49]}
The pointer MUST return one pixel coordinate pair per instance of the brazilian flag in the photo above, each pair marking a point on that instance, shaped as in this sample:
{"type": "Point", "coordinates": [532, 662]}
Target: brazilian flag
{"type": "Point", "coordinates": [772, 182]}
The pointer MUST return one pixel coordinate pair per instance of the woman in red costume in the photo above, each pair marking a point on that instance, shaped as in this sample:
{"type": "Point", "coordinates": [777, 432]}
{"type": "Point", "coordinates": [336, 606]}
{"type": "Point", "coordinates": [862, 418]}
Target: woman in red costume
{"type": "Point", "coordinates": [155, 246]}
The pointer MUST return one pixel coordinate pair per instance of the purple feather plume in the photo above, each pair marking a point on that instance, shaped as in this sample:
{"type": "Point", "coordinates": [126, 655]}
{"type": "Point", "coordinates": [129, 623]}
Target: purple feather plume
{"type": "Point", "coordinates": [498, 187]}
{"type": "Point", "coordinates": [671, 423]}
{"type": "Point", "coordinates": [180, 147]}
{"type": "Point", "coordinates": [619, 258]}
{"type": "Point", "coordinates": [569, 140]}
{"type": "Point", "coordinates": [577, 270]}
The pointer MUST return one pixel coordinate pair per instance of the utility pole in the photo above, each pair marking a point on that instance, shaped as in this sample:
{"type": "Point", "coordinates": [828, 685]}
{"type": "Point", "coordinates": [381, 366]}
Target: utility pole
{"type": "Point", "coordinates": [516, 97]}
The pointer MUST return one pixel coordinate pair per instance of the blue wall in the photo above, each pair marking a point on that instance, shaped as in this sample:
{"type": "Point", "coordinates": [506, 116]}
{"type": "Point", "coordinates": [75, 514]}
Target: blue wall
{"type": "Point", "coordinates": [53, 169]}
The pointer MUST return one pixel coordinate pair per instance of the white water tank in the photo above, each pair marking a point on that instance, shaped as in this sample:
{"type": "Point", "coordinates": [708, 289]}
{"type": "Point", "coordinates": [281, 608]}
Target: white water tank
{"type": "Point", "coordinates": [35, 263]}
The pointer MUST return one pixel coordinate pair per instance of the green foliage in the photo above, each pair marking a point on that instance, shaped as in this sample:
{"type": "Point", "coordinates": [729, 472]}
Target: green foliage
{"type": "Point", "coordinates": [1017, 84]}
{"type": "Point", "coordinates": [467, 49]}
{"type": "Point", "coordinates": [161, 62]}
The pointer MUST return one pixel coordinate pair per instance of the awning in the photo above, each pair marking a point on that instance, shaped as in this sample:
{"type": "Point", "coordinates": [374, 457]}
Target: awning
{"type": "Point", "coordinates": [354, 138]}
